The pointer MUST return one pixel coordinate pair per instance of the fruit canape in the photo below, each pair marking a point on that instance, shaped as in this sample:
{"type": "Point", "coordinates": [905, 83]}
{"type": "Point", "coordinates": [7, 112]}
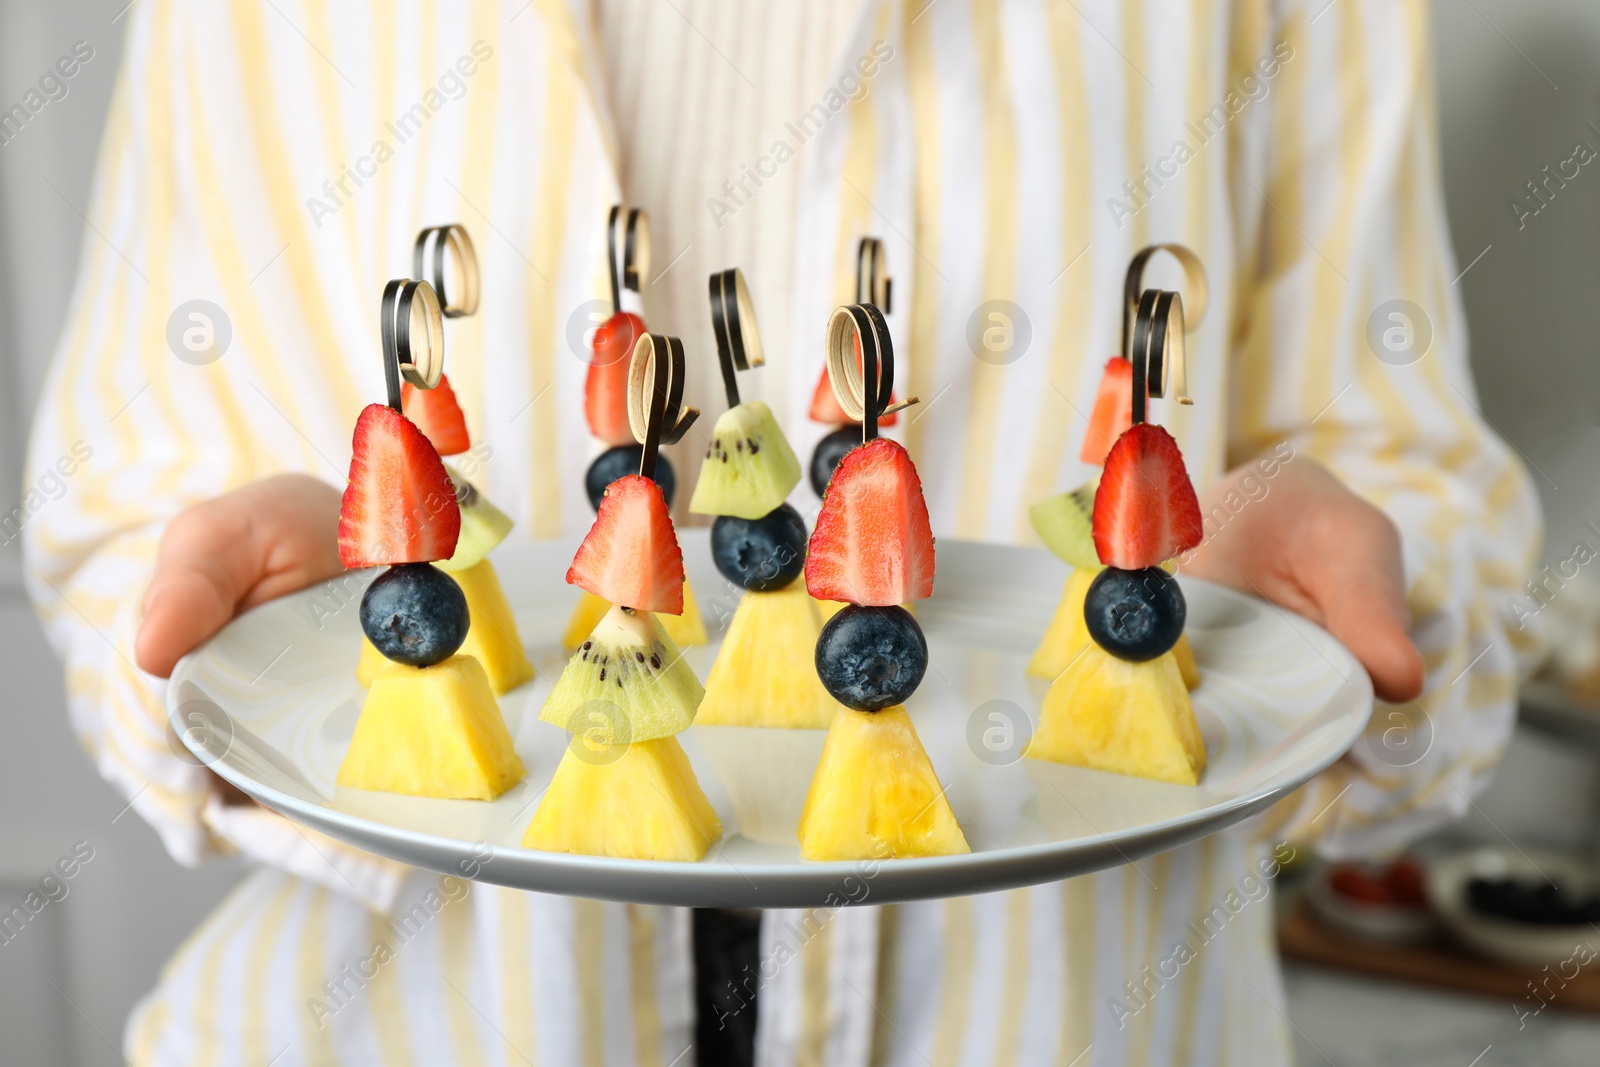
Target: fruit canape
{"type": "Point", "coordinates": [874, 793]}
{"type": "Point", "coordinates": [605, 407]}
{"type": "Point", "coordinates": [763, 677]}
{"type": "Point", "coordinates": [624, 787]}
{"type": "Point", "coordinates": [492, 638]}
{"type": "Point", "coordinates": [430, 725]}
{"type": "Point", "coordinates": [873, 286]}
{"type": "Point", "coordinates": [1064, 522]}
{"type": "Point", "coordinates": [1122, 705]}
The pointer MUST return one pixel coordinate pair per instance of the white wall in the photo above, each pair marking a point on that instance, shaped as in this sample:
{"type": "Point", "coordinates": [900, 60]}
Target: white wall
{"type": "Point", "coordinates": [1516, 95]}
{"type": "Point", "coordinates": [1532, 303]}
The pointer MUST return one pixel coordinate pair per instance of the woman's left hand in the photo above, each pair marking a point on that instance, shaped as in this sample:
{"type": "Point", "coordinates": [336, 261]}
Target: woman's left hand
{"type": "Point", "coordinates": [1303, 541]}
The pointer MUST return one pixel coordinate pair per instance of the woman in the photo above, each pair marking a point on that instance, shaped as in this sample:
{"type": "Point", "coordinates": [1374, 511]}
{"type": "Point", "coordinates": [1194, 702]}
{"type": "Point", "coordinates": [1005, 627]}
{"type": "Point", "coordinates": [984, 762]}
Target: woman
{"type": "Point", "coordinates": [276, 161]}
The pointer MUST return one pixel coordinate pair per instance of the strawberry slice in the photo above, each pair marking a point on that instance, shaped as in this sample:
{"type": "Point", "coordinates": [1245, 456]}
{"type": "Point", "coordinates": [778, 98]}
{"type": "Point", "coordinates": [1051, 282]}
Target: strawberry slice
{"type": "Point", "coordinates": [399, 506]}
{"type": "Point", "coordinates": [1113, 411]}
{"type": "Point", "coordinates": [605, 393]}
{"type": "Point", "coordinates": [873, 544]}
{"type": "Point", "coordinates": [825, 406]}
{"type": "Point", "coordinates": [631, 555]}
{"type": "Point", "coordinates": [437, 414]}
{"type": "Point", "coordinates": [1145, 511]}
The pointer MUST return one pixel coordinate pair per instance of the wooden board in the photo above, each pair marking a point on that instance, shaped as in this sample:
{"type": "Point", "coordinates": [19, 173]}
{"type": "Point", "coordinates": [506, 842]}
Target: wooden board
{"type": "Point", "coordinates": [1436, 963]}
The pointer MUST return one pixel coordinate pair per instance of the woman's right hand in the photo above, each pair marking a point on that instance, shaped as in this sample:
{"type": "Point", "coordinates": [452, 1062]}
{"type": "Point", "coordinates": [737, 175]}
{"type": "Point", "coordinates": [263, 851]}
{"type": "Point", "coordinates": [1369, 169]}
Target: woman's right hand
{"type": "Point", "coordinates": [219, 558]}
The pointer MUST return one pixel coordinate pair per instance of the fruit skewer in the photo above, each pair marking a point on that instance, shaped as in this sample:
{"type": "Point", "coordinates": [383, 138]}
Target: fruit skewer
{"type": "Point", "coordinates": [1063, 522]}
{"type": "Point", "coordinates": [430, 725]}
{"type": "Point", "coordinates": [605, 407]}
{"type": "Point", "coordinates": [624, 787]}
{"type": "Point", "coordinates": [492, 638]}
{"type": "Point", "coordinates": [873, 286]}
{"type": "Point", "coordinates": [763, 675]}
{"type": "Point", "coordinates": [874, 793]}
{"type": "Point", "coordinates": [1122, 705]}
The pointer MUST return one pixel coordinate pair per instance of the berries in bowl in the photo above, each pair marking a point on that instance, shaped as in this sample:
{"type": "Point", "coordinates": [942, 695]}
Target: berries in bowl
{"type": "Point", "coordinates": [1374, 901]}
{"type": "Point", "coordinates": [1523, 905]}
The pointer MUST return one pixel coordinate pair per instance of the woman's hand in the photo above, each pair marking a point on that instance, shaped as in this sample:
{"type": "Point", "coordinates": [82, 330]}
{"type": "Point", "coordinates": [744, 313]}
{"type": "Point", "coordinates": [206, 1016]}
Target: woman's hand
{"type": "Point", "coordinates": [1303, 541]}
{"type": "Point", "coordinates": [218, 558]}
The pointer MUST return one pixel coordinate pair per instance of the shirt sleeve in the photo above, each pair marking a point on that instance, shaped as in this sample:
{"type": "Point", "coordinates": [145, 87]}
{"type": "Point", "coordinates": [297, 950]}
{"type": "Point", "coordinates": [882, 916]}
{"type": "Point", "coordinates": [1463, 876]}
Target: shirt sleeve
{"type": "Point", "coordinates": [1351, 346]}
{"type": "Point", "coordinates": [126, 435]}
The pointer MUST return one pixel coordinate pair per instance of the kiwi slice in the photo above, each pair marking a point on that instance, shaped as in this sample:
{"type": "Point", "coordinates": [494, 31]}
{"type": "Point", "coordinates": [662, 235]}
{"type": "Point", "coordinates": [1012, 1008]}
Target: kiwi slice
{"type": "Point", "coordinates": [1065, 524]}
{"type": "Point", "coordinates": [483, 526]}
{"type": "Point", "coordinates": [749, 468]}
{"type": "Point", "coordinates": [627, 683]}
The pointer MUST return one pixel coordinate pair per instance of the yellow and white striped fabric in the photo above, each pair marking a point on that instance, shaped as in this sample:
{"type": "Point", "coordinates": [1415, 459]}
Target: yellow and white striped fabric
{"type": "Point", "coordinates": [276, 159]}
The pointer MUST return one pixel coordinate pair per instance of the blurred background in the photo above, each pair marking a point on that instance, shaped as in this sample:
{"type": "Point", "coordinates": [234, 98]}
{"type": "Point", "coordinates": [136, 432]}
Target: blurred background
{"type": "Point", "coordinates": [1518, 89]}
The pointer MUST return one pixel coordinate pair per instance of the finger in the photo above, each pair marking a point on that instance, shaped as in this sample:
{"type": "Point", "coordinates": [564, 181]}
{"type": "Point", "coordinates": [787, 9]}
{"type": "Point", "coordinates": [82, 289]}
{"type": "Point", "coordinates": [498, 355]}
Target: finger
{"type": "Point", "coordinates": [1360, 589]}
{"type": "Point", "coordinates": [207, 562]}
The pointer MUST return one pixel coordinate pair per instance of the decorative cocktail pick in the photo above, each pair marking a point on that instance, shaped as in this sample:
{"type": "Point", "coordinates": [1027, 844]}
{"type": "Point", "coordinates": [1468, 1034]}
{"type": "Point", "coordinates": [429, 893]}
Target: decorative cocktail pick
{"type": "Point", "coordinates": [1121, 704]}
{"type": "Point", "coordinates": [429, 725]}
{"type": "Point", "coordinates": [861, 385]}
{"type": "Point", "coordinates": [733, 321]}
{"type": "Point", "coordinates": [411, 314]}
{"type": "Point", "coordinates": [873, 286]}
{"type": "Point", "coordinates": [628, 246]}
{"type": "Point", "coordinates": [1153, 328]}
{"type": "Point", "coordinates": [428, 261]}
{"type": "Point", "coordinates": [655, 397]}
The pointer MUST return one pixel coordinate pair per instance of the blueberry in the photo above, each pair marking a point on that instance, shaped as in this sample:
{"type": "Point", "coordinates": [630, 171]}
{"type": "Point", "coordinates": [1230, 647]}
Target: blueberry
{"type": "Point", "coordinates": [871, 658]}
{"type": "Point", "coordinates": [1135, 615]}
{"type": "Point", "coordinates": [760, 554]}
{"type": "Point", "coordinates": [415, 613]}
{"type": "Point", "coordinates": [830, 450]}
{"type": "Point", "coordinates": [619, 462]}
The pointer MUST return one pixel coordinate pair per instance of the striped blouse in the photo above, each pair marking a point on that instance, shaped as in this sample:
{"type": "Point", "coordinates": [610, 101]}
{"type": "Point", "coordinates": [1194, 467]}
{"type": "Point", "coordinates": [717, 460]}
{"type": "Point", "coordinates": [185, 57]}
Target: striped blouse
{"type": "Point", "coordinates": [276, 159]}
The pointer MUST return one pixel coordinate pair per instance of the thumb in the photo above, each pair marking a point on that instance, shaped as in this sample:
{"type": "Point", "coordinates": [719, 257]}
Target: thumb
{"type": "Point", "coordinates": [266, 539]}
{"type": "Point", "coordinates": [207, 562]}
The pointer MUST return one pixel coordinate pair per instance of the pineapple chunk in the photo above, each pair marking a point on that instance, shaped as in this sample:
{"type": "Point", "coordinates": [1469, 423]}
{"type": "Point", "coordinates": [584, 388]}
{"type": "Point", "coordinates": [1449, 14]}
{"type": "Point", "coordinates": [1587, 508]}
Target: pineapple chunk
{"type": "Point", "coordinates": [492, 638]}
{"type": "Point", "coordinates": [637, 802]}
{"type": "Point", "coordinates": [686, 630]}
{"type": "Point", "coordinates": [1183, 652]}
{"type": "Point", "coordinates": [432, 732]}
{"type": "Point", "coordinates": [371, 663]}
{"type": "Point", "coordinates": [1066, 635]}
{"type": "Point", "coordinates": [586, 615]}
{"type": "Point", "coordinates": [874, 794]}
{"type": "Point", "coordinates": [765, 674]}
{"type": "Point", "coordinates": [1127, 718]}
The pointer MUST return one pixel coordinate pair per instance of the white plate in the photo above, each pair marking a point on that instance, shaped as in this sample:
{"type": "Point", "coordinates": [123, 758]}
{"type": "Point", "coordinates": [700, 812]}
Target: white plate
{"type": "Point", "coordinates": [271, 702]}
